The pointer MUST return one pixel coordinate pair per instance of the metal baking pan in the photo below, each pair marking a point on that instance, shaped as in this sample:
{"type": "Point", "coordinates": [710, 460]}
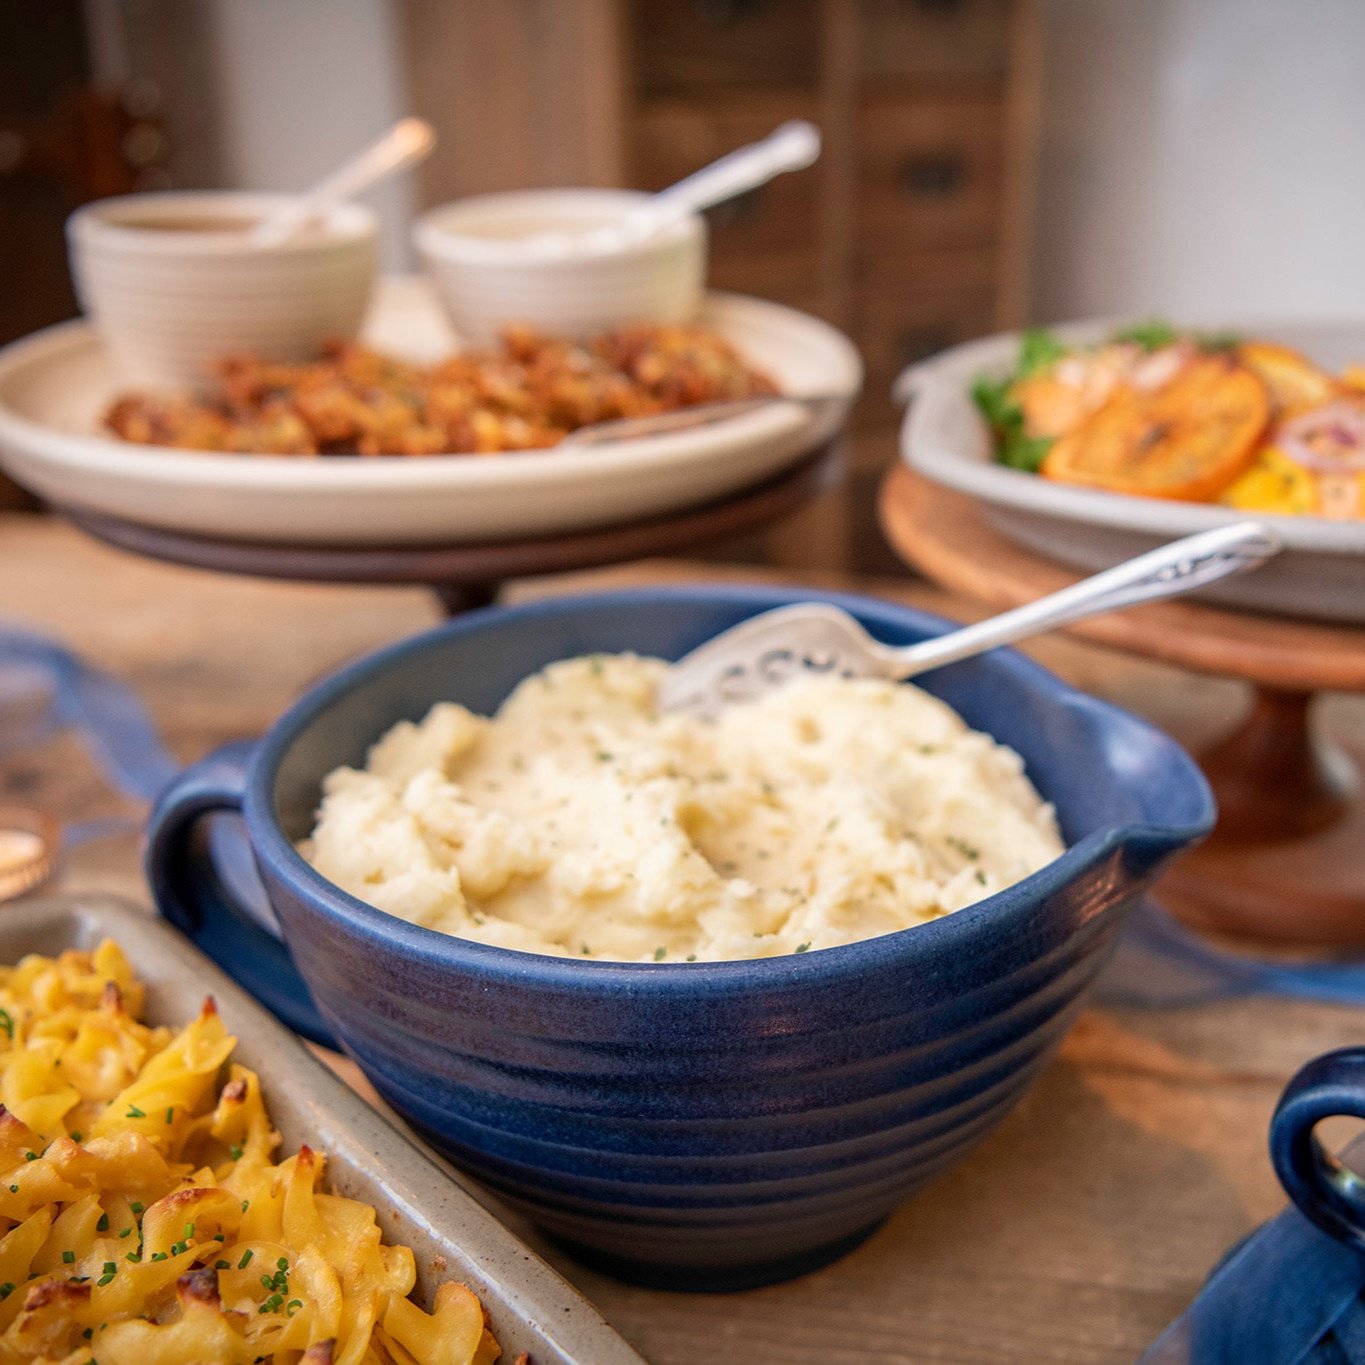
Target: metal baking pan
{"type": "Point", "coordinates": [531, 1308]}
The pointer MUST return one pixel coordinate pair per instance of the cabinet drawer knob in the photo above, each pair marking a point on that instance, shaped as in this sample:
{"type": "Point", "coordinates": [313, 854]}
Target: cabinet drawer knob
{"type": "Point", "coordinates": [933, 175]}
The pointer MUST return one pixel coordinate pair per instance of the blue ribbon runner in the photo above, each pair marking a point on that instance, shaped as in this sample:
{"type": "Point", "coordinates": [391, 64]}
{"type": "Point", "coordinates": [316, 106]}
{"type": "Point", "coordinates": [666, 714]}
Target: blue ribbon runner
{"type": "Point", "coordinates": [46, 689]}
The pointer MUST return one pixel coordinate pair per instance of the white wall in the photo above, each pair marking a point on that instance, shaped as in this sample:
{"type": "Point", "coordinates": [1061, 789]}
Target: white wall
{"type": "Point", "coordinates": [301, 84]}
{"type": "Point", "coordinates": [1203, 157]}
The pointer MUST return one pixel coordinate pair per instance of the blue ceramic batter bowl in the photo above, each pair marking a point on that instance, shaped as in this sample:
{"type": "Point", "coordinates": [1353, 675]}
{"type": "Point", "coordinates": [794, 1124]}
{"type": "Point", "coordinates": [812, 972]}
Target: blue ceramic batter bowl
{"type": "Point", "coordinates": [712, 1125]}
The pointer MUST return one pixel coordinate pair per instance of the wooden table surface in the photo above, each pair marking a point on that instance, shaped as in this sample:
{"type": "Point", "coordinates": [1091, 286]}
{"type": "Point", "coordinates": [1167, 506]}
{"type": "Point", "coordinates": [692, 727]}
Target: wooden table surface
{"type": "Point", "coordinates": [1074, 1233]}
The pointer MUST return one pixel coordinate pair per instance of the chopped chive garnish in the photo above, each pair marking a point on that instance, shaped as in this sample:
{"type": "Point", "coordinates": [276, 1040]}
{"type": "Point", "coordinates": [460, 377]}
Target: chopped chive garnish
{"type": "Point", "coordinates": [134, 1113]}
{"type": "Point", "coordinates": [125, 1232]}
{"type": "Point", "coordinates": [170, 1113]}
{"type": "Point", "coordinates": [6, 1290]}
{"type": "Point", "coordinates": [75, 1137]}
{"type": "Point", "coordinates": [293, 1306]}
{"type": "Point", "coordinates": [7, 1023]}
{"type": "Point", "coordinates": [103, 1224]}
{"type": "Point", "coordinates": [189, 1231]}
{"type": "Point", "coordinates": [137, 1206]}
{"type": "Point", "coordinates": [246, 1204]}
{"type": "Point", "coordinates": [235, 1151]}
{"type": "Point", "coordinates": [282, 1263]}
{"type": "Point", "coordinates": [803, 947]}
{"type": "Point", "coordinates": [134, 1256]}
{"type": "Point", "coordinates": [660, 954]}
{"type": "Point", "coordinates": [30, 1156]}
{"type": "Point", "coordinates": [159, 1256]}
{"type": "Point", "coordinates": [246, 1259]}
{"type": "Point", "coordinates": [14, 1189]}
{"type": "Point", "coordinates": [68, 1257]}
{"type": "Point", "coordinates": [222, 1265]}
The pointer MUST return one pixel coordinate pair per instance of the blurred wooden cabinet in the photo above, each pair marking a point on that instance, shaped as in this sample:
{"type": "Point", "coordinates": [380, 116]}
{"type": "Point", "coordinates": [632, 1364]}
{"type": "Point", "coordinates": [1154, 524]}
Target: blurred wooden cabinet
{"type": "Point", "coordinates": [912, 232]}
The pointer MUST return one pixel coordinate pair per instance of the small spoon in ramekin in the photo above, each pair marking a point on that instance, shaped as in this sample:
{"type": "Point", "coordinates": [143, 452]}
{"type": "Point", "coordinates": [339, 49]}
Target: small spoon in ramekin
{"type": "Point", "coordinates": [409, 141]}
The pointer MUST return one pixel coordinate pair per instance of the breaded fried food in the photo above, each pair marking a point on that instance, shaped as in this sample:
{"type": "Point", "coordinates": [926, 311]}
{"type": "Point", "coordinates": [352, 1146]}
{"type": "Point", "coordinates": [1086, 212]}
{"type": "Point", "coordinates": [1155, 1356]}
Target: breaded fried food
{"type": "Point", "coordinates": [526, 393]}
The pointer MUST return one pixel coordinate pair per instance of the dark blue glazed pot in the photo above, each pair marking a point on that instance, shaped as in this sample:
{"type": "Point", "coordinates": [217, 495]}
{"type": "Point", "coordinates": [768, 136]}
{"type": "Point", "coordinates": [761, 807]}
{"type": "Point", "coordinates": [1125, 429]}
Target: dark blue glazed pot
{"type": "Point", "coordinates": [713, 1125]}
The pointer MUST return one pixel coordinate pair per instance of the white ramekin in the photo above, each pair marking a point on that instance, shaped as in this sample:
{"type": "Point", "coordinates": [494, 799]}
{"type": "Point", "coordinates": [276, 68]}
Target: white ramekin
{"type": "Point", "coordinates": [172, 302]}
{"type": "Point", "coordinates": [487, 276]}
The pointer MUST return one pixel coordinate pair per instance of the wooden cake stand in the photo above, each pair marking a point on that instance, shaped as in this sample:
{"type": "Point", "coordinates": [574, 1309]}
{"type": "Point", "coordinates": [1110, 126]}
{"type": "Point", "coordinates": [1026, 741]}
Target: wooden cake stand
{"type": "Point", "coordinates": [469, 575]}
{"type": "Point", "coordinates": [1287, 861]}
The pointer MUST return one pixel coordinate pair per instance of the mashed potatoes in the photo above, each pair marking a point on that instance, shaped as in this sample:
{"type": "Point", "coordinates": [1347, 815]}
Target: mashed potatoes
{"type": "Point", "coordinates": [581, 822]}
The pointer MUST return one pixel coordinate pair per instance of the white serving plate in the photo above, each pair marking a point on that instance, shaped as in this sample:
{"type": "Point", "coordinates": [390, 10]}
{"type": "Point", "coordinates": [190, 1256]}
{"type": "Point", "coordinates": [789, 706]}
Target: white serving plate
{"type": "Point", "coordinates": [530, 1307]}
{"type": "Point", "coordinates": [55, 384]}
{"type": "Point", "coordinates": [1320, 574]}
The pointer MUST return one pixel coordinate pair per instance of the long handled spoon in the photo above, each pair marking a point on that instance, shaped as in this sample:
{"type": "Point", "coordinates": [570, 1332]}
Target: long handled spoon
{"type": "Point", "coordinates": [764, 652]}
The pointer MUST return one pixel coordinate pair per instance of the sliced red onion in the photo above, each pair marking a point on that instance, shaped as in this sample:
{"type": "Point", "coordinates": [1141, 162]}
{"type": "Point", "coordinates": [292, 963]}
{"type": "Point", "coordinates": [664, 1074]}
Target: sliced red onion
{"type": "Point", "coordinates": [1329, 439]}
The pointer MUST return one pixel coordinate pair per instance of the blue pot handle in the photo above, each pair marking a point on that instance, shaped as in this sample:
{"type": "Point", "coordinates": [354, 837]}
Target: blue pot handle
{"type": "Point", "coordinates": [1325, 1190]}
{"type": "Point", "coordinates": [191, 894]}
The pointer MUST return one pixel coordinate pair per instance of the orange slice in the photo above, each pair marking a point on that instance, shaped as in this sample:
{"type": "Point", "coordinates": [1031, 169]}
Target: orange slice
{"type": "Point", "coordinates": [1186, 440]}
{"type": "Point", "coordinates": [1291, 379]}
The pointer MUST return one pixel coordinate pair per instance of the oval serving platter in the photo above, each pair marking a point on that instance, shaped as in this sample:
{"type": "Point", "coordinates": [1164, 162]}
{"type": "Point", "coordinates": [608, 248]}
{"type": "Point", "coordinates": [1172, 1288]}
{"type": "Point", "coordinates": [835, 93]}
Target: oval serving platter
{"type": "Point", "coordinates": [55, 384]}
{"type": "Point", "coordinates": [1320, 575]}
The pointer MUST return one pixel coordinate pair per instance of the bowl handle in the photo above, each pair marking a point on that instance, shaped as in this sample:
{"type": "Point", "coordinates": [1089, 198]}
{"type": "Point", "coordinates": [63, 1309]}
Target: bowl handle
{"type": "Point", "coordinates": [1326, 1190]}
{"type": "Point", "coordinates": [190, 894]}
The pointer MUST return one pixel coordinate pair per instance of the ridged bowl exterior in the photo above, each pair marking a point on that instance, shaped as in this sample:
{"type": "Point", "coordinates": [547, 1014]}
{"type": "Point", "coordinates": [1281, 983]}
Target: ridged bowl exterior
{"type": "Point", "coordinates": [718, 1124]}
{"type": "Point", "coordinates": [171, 304]}
{"type": "Point", "coordinates": [488, 283]}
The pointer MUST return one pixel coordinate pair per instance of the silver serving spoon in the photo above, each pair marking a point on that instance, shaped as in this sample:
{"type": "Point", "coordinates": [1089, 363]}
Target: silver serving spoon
{"type": "Point", "coordinates": [766, 651]}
